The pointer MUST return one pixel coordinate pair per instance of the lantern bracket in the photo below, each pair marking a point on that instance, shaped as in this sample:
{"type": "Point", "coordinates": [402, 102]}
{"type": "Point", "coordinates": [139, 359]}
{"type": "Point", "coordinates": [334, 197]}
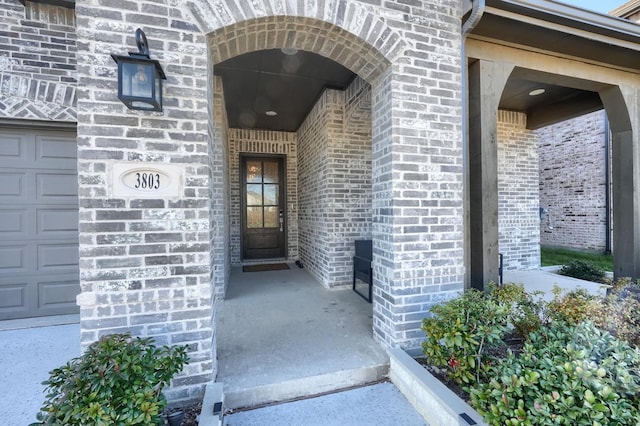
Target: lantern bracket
{"type": "Point", "coordinates": [141, 42]}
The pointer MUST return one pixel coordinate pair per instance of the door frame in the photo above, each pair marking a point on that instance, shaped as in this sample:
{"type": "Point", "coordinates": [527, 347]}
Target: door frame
{"type": "Point", "coordinates": [241, 182]}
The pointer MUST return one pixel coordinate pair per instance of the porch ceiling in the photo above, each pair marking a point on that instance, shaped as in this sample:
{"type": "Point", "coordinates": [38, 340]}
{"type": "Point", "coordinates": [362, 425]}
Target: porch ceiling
{"type": "Point", "coordinates": [556, 104]}
{"type": "Point", "coordinates": [271, 80]}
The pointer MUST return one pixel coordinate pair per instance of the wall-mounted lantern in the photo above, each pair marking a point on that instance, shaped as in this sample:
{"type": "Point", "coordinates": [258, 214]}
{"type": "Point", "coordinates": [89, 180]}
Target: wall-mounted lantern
{"type": "Point", "coordinates": [140, 78]}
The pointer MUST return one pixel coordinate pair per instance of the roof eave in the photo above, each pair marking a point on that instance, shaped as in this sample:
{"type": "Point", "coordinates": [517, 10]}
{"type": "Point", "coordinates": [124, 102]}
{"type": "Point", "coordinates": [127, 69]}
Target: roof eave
{"type": "Point", "coordinates": [627, 9]}
{"type": "Point", "coordinates": [572, 16]}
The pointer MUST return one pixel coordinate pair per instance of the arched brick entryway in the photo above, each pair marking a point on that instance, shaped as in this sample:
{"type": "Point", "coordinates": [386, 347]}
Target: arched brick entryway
{"type": "Point", "coordinates": [330, 38]}
{"type": "Point", "coordinates": [147, 263]}
{"type": "Point", "coordinates": [415, 256]}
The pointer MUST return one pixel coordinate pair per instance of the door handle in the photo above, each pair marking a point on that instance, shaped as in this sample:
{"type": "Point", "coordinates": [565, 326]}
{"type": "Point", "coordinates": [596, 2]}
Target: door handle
{"type": "Point", "coordinates": [281, 218]}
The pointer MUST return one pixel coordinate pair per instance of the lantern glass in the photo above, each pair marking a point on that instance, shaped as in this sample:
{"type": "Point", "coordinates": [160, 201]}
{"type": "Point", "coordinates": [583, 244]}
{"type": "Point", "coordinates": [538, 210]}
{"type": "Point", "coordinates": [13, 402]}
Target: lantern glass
{"type": "Point", "coordinates": [139, 84]}
{"type": "Point", "coordinates": [137, 80]}
{"type": "Point", "coordinates": [140, 77]}
{"type": "Point", "coordinates": [158, 91]}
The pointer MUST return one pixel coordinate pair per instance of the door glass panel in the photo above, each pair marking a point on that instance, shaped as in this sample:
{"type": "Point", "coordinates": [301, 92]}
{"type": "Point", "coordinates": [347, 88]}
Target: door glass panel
{"type": "Point", "coordinates": [254, 171]}
{"type": "Point", "coordinates": [271, 174]}
{"type": "Point", "coordinates": [262, 180]}
{"type": "Point", "coordinates": [271, 195]}
{"type": "Point", "coordinates": [254, 217]}
{"type": "Point", "coordinates": [271, 217]}
{"type": "Point", "coordinates": [254, 195]}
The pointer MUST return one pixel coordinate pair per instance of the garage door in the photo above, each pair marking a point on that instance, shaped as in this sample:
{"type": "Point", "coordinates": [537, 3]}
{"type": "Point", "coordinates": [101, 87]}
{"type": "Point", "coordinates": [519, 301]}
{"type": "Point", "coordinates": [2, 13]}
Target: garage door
{"type": "Point", "coordinates": [38, 223]}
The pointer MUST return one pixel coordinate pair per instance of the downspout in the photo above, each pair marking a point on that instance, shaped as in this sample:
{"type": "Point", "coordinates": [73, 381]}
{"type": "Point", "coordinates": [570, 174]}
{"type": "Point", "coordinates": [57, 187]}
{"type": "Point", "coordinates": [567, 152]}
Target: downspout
{"type": "Point", "coordinates": [607, 183]}
{"type": "Point", "coordinates": [477, 10]}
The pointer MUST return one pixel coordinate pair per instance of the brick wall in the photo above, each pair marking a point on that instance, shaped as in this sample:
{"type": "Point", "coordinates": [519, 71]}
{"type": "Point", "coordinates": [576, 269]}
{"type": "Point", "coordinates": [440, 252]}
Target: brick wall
{"type": "Point", "coordinates": [37, 61]}
{"type": "Point", "coordinates": [219, 193]}
{"type": "Point", "coordinates": [243, 141]}
{"type": "Point", "coordinates": [573, 187]}
{"type": "Point", "coordinates": [417, 172]}
{"type": "Point", "coordinates": [349, 180]}
{"type": "Point", "coordinates": [518, 203]}
{"type": "Point", "coordinates": [145, 263]}
{"type": "Point", "coordinates": [313, 177]}
{"type": "Point", "coordinates": [335, 181]}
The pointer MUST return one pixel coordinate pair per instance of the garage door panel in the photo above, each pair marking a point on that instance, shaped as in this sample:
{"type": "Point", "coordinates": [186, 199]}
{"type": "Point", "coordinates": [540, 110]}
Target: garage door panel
{"type": "Point", "coordinates": [56, 257]}
{"type": "Point", "coordinates": [15, 149]}
{"type": "Point", "coordinates": [33, 296]}
{"type": "Point", "coordinates": [10, 146]}
{"type": "Point", "coordinates": [57, 188]}
{"type": "Point", "coordinates": [58, 294]}
{"type": "Point", "coordinates": [58, 152]}
{"type": "Point", "coordinates": [13, 299]}
{"type": "Point", "coordinates": [13, 259]}
{"type": "Point", "coordinates": [13, 187]}
{"type": "Point", "coordinates": [13, 224]}
{"type": "Point", "coordinates": [57, 223]}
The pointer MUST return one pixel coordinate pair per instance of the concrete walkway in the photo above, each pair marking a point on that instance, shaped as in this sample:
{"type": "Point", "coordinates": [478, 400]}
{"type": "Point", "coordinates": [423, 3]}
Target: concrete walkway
{"type": "Point", "coordinates": [381, 405]}
{"type": "Point", "coordinates": [26, 357]}
{"type": "Point", "coordinates": [544, 280]}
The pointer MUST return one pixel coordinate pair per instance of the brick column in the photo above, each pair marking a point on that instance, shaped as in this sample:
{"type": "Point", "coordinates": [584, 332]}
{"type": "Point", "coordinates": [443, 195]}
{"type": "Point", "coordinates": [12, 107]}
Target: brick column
{"type": "Point", "coordinates": [417, 192]}
{"type": "Point", "coordinates": [145, 260]}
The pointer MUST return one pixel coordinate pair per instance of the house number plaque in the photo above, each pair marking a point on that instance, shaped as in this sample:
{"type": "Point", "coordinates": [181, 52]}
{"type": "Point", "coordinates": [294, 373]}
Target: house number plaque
{"type": "Point", "coordinates": [146, 180]}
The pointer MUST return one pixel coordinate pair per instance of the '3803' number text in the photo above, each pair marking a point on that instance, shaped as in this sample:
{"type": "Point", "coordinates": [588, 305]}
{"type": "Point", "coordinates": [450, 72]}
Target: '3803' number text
{"type": "Point", "coordinates": [147, 180]}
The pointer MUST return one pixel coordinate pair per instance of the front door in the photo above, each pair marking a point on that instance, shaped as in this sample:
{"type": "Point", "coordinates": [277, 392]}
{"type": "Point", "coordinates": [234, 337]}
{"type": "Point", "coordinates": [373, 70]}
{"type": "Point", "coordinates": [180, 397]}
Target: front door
{"type": "Point", "coordinates": [263, 204]}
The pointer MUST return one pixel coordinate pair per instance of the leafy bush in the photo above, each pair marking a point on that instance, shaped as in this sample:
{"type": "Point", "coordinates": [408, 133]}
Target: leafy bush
{"type": "Point", "coordinates": [574, 375]}
{"type": "Point", "coordinates": [462, 333]}
{"type": "Point", "coordinates": [117, 381]}
{"type": "Point", "coordinates": [583, 270]}
{"type": "Point", "coordinates": [619, 313]}
{"type": "Point", "coordinates": [527, 311]}
{"type": "Point", "coordinates": [573, 306]}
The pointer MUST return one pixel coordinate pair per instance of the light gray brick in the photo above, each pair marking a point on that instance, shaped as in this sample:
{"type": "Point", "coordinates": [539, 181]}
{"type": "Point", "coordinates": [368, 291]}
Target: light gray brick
{"type": "Point", "coordinates": [573, 187]}
{"type": "Point", "coordinates": [518, 215]}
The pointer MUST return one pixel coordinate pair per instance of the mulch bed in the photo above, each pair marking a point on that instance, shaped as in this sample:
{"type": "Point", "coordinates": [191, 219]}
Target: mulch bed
{"type": "Point", "coordinates": [191, 414]}
{"type": "Point", "coordinates": [441, 375]}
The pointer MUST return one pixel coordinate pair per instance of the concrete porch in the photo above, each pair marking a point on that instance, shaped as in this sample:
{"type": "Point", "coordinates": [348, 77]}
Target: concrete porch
{"type": "Point", "coordinates": [281, 335]}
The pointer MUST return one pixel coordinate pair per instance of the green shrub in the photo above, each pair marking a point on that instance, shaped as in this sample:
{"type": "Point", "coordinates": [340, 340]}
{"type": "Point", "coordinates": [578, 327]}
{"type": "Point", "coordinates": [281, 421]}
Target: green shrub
{"type": "Point", "coordinates": [573, 306]}
{"type": "Point", "coordinates": [462, 333]}
{"type": "Point", "coordinates": [117, 381]}
{"type": "Point", "coordinates": [583, 270]}
{"type": "Point", "coordinates": [527, 311]}
{"type": "Point", "coordinates": [573, 375]}
{"type": "Point", "coordinates": [619, 313]}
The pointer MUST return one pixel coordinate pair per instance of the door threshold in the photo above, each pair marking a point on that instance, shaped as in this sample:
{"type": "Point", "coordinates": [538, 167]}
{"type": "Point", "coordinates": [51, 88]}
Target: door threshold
{"type": "Point", "coordinates": [264, 261]}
